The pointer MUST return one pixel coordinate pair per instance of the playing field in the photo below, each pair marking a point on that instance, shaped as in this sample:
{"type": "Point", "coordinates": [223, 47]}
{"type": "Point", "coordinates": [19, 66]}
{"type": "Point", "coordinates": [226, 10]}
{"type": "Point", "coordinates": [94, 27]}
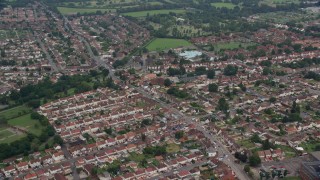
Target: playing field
{"type": "Point", "coordinates": [223, 4]}
{"type": "Point", "coordinates": [153, 12]}
{"type": "Point", "coordinates": [160, 44]}
{"type": "Point", "coordinates": [25, 122]}
{"type": "Point", "coordinates": [14, 112]}
{"type": "Point", "coordinates": [66, 10]}
{"type": "Point", "coordinates": [7, 135]}
{"type": "Point", "coordinates": [231, 45]}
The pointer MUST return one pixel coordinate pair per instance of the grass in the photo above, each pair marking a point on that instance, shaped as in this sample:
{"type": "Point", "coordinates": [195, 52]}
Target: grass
{"type": "Point", "coordinates": [136, 157]}
{"type": "Point", "coordinates": [66, 10]}
{"type": "Point", "coordinates": [231, 45]}
{"type": "Point", "coordinates": [173, 148]}
{"type": "Point", "coordinates": [25, 122]}
{"type": "Point", "coordinates": [223, 5]}
{"type": "Point", "coordinates": [5, 133]}
{"type": "Point", "coordinates": [310, 146]}
{"type": "Point", "coordinates": [246, 143]}
{"type": "Point", "coordinates": [153, 12]}
{"type": "Point", "coordinates": [15, 112]}
{"type": "Point", "coordinates": [160, 44]}
{"type": "Point", "coordinates": [12, 138]}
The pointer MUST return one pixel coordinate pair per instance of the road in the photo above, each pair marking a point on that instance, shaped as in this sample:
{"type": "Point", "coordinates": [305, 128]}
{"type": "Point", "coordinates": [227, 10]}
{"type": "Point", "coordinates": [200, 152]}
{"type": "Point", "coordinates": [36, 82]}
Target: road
{"type": "Point", "coordinates": [171, 172]}
{"type": "Point", "coordinates": [52, 64]}
{"type": "Point", "coordinates": [222, 150]}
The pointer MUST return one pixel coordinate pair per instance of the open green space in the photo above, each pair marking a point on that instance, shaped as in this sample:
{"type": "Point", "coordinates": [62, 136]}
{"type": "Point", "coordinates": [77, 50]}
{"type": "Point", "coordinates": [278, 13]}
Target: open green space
{"type": "Point", "coordinates": [5, 133]}
{"type": "Point", "coordinates": [136, 157]}
{"type": "Point", "coordinates": [66, 10]}
{"type": "Point", "coordinates": [310, 146]}
{"type": "Point", "coordinates": [231, 45]}
{"type": "Point", "coordinates": [223, 5]}
{"type": "Point", "coordinates": [25, 122]}
{"type": "Point", "coordinates": [279, 2]}
{"type": "Point", "coordinates": [246, 144]}
{"type": "Point", "coordinates": [14, 112]}
{"type": "Point", "coordinates": [153, 12]}
{"type": "Point", "coordinates": [160, 44]}
{"type": "Point", "coordinates": [12, 138]}
{"type": "Point", "coordinates": [173, 148]}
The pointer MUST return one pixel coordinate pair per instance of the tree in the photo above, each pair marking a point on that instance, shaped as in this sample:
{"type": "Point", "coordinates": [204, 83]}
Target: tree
{"type": "Point", "coordinates": [211, 74]}
{"type": "Point", "coordinates": [254, 160]}
{"type": "Point", "coordinates": [108, 130]}
{"type": "Point", "coordinates": [230, 70]}
{"type": "Point", "coordinates": [272, 99]}
{"type": "Point", "coordinates": [246, 169]}
{"type": "Point", "coordinates": [179, 134]}
{"type": "Point", "coordinates": [223, 105]}
{"type": "Point", "coordinates": [255, 138]}
{"type": "Point", "coordinates": [57, 140]}
{"type": "Point", "coordinates": [213, 87]}
{"type": "Point", "coordinates": [34, 103]}
{"type": "Point", "coordinates": [167, 82]}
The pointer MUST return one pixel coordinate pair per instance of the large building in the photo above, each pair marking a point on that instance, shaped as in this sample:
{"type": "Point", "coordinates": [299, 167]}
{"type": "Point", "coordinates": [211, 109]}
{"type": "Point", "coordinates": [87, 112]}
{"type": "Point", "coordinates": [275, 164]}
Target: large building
{"type": "Point", "coordinates": [310, 170]}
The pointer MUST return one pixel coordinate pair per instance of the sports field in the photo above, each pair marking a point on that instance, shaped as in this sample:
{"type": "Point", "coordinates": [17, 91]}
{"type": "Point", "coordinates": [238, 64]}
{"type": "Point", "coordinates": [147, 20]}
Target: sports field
{"type": "Point", "coordinates": [66, 10]}
{"type": "Point", "coordinates": [25, 122]}
{"type": "Point", "coordinates": [231, 45]}
{"type": "Point", "coordinates": [8, 135]}
{"type": "Point", "coordinates": [14, 112]}
{"type": "Point", "coordinates": [161, 44]}
{"type": "Point", "coordinates": [223, 4]}
{"type": "Point", "coordinates": [153, 12]}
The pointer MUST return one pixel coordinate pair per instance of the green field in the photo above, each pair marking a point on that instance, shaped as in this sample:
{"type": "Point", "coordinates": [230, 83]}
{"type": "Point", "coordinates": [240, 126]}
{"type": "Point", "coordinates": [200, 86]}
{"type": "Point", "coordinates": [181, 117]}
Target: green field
{"type": "Point", "coordinates": [231, 45]}
{"type": "Point", "coordinates": [161, 44]}
{"type": "Point", "coordinates": [15, 112]}
{"type": "Point", "coordinates": [25, 122]}
{"type": "Point", "coordinates": [223, 4]}
{"type": "Point", "coordinates": [173, 148]}
{"type": "Point", "coordinates": [66, 10]}
{"type": "Point", "coordinates": [8, 136]}
{"type": "Point", "coordinates": [277, 2]}
{"type": "Point", "coordinates": [153, 12]}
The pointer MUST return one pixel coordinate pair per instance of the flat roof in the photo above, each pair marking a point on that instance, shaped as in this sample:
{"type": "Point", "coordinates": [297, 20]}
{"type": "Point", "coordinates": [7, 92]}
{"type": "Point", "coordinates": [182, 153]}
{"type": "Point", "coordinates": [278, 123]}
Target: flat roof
{"type": "Point", "coordinates": [316, 155]}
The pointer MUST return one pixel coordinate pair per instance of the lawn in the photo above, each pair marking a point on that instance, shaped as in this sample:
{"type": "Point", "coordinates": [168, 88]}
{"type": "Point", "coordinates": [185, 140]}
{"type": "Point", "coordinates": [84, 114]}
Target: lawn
{"type": "Point", "coordinates": [153, 12]}
{"type": "Point", "coordinates": [136, 157]}
{"type": "Point", "coordinates": [4, 133]}
{"type": "Point", "coordinates": [66, 10]}
{"type": "Point", "coordinates": [173, 148]}
{"type": "Point", "coordinates": [223, 4]}
{"type": "Point", "coordinates": [15, 112]}
{"type": "Point", "coordinates": [231, 45]}
{"type": "Point", "coordinates": [25, 122]}
{"type": "Point", "coordinates": [246, 143]}
{"type": "Point", "coordinates": [161, 44]}
{"type": "Point", "coordinates": [310, 146]}
{"type": "Point", "coordinates": [12, 138]}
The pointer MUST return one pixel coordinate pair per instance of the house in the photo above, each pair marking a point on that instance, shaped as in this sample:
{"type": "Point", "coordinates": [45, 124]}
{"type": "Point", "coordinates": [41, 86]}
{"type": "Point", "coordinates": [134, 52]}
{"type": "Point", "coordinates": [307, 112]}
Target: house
{"type": "Point", "coordinates": [261, 154]}
{"type": "Point", "coordinates": [30, 176]}
{"type": "Point", "coordinates": [35, 163]}
{"type": "Point", "coordinates": [66, 167]}
{"type": "Point", "coordinates": [22, 166]}
{"type": "Point", "coordinates": [9, 171]}
{"type": "Point", "coordinates": [88, 168]}
{"type": "Point", "coordinates": [55, 169]}
{"type": "Point", "coordinates": [268, 154]}
{"type": "Point", "coordinates": [183, 174]}
{"type": "Point", "coordinates": [58, 156]}
{"type": "Point", "coordinates": [46, 160]}
{"type": "Point", "coordinates": [59, 176]}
